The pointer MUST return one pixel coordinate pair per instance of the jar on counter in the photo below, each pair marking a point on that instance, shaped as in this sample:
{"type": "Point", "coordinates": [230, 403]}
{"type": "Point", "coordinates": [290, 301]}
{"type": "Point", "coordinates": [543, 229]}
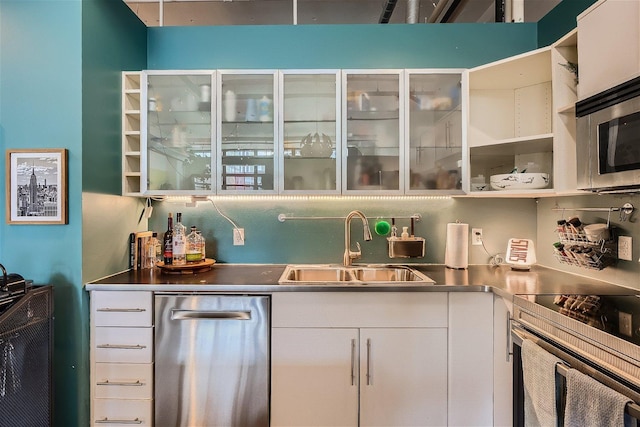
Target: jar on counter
{"type": "Point", "coordinates": [194, 246]}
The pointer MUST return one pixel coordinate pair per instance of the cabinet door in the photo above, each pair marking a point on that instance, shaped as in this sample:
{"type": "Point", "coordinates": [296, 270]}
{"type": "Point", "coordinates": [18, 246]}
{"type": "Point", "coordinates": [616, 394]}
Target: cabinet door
{"type": "Point", "coordinates": [314, 377]}
{"type": "Point", "coordinates": [608, 57]}
{"type": "Point", "coordinates": [470, 359]}
{"type": "Point", "coordinates": [177, 132]}
{"type": "Point", "coordinates": [403, 377]}
{"type": "Point", "coordinates": [310, 131]}
{"type": "Point", "coordinates": [502, 362]}
{"type": "Point", "coordinates": [247, 132]}
{"type": "Point", "coordinates": [435, 131]}
{"type": "Point", "coordinates": [373, 129]}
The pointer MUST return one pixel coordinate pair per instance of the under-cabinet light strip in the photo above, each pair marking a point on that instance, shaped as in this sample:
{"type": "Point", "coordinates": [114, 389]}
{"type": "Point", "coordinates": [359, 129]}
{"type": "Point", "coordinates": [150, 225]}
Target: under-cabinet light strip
{"type": "Point", "coordinates": [253, 198]}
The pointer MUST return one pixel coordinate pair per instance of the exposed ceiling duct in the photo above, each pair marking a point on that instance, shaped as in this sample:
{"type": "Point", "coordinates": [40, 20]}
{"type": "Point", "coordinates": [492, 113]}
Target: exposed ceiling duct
{"type": "Point", "coordinates": [413, 11]}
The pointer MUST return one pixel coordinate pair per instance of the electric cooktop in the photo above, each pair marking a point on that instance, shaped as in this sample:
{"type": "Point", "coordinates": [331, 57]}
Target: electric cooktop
{"type": "Point", "coordinates": [618, 315]}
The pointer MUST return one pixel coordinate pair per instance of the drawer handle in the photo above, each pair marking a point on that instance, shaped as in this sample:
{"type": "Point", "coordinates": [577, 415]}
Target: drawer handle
{"type": "Point", "coordinates": [211, 315]}
{"type": "Point", "coordinates": [106, 420]}
{"type": "Point", "coordinates": [122, 310]}
{"type": "Point", "coordinates": [121, 383]}
{"type": "Point", "coordinates": [122, 346]}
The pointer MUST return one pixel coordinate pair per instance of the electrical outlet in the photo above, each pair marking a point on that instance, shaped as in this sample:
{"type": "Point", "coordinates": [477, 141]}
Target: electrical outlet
{"type": "Point", "coordinates": [476, 236]}
{"type": "Point", "coordinates": [625, 244]}
{"type": "Point", "coordinates": [625, 323]}
{"type": "Point", "coordinates": [238, 236]}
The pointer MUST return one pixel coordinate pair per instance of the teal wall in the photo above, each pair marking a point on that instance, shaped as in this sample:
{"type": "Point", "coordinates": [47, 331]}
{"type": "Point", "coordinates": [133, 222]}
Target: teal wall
{"type": "Point", "coordinates": [41, 63]}
{"type": "Point", "coordinates": [560, 20]}
{"type": "Point", "coordinates": [48, 50]}
{"type": "Point", "coordinates": [113, 39]}
{"type": "Point", "coordinates": [337, 46]}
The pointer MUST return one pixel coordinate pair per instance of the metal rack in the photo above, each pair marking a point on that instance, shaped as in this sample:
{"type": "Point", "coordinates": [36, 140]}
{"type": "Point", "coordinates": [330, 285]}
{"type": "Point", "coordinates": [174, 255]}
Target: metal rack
{"type": "Point", "coordinates": [575, 248]}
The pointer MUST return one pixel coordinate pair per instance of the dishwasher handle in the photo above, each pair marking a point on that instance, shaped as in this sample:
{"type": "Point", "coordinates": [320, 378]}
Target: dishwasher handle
{"type": "Point", "coordinates": [209, 315]}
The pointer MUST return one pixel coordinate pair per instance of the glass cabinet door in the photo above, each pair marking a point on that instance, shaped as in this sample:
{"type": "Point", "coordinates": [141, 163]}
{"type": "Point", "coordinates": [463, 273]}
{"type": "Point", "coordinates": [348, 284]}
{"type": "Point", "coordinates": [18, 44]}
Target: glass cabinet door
{"type": "Point", "coordinates": [435, 131]}
{"type": "Point", "coordinates": [178, 132]}
{"type": "Point", "coordinates": [247, 132]}
{"type": "Point", "coordinates": [373, 130]}
{"type": "Point", "coordinates": [310, 132]}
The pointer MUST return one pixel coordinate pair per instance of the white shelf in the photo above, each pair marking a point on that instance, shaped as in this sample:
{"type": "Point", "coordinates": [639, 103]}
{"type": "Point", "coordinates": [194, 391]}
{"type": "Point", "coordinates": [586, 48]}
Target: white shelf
{"type": "Point", "coordinates": [519, 71]}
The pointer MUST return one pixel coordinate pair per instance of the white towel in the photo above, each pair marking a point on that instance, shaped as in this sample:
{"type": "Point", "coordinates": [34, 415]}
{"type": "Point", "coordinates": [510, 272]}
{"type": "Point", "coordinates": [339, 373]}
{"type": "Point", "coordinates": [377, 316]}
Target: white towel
{"type": "Point", "coordinates": [591, 403]}
{"type": "Point", "coordinates": [539, 378]}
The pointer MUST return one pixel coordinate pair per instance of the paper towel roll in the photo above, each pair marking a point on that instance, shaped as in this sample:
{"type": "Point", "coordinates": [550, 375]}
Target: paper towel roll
{"type": "Point", "coordinates": [456, 254]}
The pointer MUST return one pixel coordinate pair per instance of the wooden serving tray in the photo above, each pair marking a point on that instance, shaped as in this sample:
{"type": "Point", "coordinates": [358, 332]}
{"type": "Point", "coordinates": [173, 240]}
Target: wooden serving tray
{"type": "Point", "coordinates": [188, 268]}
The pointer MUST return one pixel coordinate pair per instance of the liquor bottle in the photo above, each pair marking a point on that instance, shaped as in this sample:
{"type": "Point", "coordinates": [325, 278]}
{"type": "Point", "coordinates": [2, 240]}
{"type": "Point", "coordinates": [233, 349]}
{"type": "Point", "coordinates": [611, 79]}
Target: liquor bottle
{"type": "Point", "coordinates": [168, 241]}
{"type": "Point", "coordinates": [179, 242]}
{"type": "Point", "coordinates": [194, 253]}
{"type": "Point", "coordinates": [202, 245]}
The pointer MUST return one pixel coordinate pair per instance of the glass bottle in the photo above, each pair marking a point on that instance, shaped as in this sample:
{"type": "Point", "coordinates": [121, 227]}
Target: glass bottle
{"type": "Point", "coordinates": [157, 249]}
{"type": "Point", "coordinates": [179, 242]}
{"type": "Point", "coordinates": [194, 245]}
{"type": "Point", "coordinates": [202, 244]}
{"type": "Point", "coordinates": [168, 241]}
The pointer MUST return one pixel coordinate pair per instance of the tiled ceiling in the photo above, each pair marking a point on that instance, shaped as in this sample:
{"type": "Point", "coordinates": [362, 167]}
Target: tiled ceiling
{"type": "Point", "coordinates": [280, 12]}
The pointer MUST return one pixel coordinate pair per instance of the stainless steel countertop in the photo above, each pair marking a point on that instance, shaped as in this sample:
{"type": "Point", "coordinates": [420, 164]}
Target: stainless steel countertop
{"type": "Point", "coordinates": [263, 279]}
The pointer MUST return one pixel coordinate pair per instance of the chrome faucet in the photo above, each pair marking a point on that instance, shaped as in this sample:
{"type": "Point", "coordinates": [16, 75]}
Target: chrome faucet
{"type": "Point", "coordinates": [350, 255]}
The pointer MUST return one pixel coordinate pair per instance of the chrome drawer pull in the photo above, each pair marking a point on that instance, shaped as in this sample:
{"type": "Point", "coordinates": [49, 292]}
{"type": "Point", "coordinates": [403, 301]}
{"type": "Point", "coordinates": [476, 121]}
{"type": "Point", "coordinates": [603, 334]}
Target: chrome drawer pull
{"type": "Point", "coordinates": [121, 383]}
{"type": "Point", "coordinates": [122, 310]}
{"type": "Point", "coordinates": [211, 315]}
{"type": "Point", "coordinates": [122, 346]}
{"type": "Point", "coordinates": [106, 420]}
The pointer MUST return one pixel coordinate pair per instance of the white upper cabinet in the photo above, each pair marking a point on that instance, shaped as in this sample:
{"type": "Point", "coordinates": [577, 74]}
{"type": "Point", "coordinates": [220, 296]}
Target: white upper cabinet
{"type": "Point", "coordinates": [177, 132]}
{"type": "Point", "coordinates": [247, 132]}
{"type": "Point", "coordinates": [310, 135]}
{"type": "Point", "coordinates": [294, 132]}
{"type": "Point", "coordinates": [521, 123]}
{"type": "Point", "coordinates": [609, 45]}
{"type": "Point", "coordinates": [373, 129]}
{"type": "Point", "coordinates": [434, 131]}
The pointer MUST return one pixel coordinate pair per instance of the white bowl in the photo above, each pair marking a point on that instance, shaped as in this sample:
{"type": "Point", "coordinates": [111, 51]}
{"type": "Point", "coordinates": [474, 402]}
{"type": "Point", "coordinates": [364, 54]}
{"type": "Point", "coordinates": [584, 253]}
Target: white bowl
{"type": "Point", "coordinates": [596, 232]}
{"type": "Point", "coordinates": [519, 181]}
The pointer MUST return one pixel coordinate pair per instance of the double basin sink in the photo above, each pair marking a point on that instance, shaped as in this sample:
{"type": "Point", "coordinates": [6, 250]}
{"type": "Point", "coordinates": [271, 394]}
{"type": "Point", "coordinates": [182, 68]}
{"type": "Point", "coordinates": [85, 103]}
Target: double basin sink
{"type": "Point", "coordinates": [329, 274]}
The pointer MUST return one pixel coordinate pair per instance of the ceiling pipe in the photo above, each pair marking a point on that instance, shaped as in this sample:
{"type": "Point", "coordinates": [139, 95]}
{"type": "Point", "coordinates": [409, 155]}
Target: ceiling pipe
{"type": "Point", "coordinates": [413, 11]}
{"type": "Point", "coordinates": [387, 11]}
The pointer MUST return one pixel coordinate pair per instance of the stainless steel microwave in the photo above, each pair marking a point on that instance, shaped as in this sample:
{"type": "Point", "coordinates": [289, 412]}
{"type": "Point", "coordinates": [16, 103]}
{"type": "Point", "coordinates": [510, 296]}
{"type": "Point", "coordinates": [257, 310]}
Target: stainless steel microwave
{"type": "Point", "coordinates": [608, 139]}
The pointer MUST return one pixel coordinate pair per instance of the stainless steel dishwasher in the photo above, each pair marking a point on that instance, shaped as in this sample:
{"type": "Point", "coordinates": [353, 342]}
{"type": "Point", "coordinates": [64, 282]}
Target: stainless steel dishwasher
{"type": "Point", "coordinates": [211, 360]}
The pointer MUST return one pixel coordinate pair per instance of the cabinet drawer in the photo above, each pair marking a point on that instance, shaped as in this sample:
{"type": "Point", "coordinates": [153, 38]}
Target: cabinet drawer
{"type": "Point", "coordinates": [124, 345]}
{"type": "Point", "coordinates": [123, 381]}
{"type": "Point", "coordinates": [122, 308]}
{"type": "Point", "coordinates": [119, 412]}
{"type": "Point", "coordinates": [359, 309]}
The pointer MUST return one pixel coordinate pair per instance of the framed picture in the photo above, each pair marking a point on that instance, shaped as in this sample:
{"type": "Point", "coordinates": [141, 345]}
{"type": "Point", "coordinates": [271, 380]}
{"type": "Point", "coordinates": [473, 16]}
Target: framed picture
{"type": "Point", "coordinates": [37, 186]}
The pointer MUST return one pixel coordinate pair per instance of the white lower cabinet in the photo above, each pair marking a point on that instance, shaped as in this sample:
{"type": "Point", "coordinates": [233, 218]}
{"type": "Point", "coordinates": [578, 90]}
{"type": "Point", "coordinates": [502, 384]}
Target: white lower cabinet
{"type": "Point", "coordinates": [121, 358]}
{"type": "Point", "coordinates": [368, 359]}
{"type": "Point", "coordinates": [470, 359]}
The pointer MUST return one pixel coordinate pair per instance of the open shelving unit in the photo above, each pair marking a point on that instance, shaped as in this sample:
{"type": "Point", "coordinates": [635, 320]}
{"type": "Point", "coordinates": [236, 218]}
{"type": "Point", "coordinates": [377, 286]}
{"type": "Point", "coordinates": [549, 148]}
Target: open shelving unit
{"type": "Point", "coordinates": [522, 111]}
{"type": "Point", "coordinates": [131, 105]}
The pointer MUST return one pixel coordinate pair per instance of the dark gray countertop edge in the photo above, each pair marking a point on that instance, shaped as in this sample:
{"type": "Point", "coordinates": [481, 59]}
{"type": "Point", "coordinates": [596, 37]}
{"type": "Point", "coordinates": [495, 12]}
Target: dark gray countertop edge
{"type": "Point", "coordinates": [263, 279]}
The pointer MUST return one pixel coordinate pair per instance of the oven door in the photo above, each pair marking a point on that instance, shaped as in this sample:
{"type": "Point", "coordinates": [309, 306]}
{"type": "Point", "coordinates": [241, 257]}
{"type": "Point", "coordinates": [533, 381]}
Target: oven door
{"type": "Point", "coordinates": [586, 365]}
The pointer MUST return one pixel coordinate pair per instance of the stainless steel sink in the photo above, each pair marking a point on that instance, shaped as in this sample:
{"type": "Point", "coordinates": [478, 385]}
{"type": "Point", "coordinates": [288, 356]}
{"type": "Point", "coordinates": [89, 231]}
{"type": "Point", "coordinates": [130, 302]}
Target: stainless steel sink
{"type": "Point", "coordinates": [322, 274]}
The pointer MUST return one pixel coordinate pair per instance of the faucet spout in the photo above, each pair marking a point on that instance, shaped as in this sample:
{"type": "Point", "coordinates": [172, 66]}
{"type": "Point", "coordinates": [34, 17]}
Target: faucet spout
{"type": "Point", "coordinates": [350, 255]}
